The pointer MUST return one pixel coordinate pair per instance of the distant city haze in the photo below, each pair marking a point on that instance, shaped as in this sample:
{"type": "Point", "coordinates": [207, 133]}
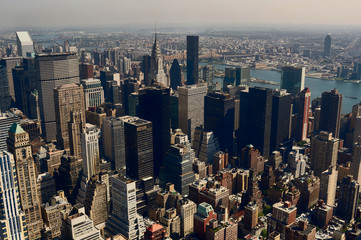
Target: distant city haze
{"type": "Point", "coordinates": [42, 13]}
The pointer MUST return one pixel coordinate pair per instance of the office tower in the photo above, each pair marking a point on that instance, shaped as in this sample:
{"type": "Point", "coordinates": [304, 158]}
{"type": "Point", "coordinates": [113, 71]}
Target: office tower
{"type": "Point", "coordinates": [157, 74]}
{"type": "Point", "coordinates": [236, 76]}
{"type": "Point", "coordinates": [207, 76]}
{"type": "Point", "coordinates": [175, 75]}
{"type": "Point", "coordinates": [112, 92]}
{"type": "Point", "coordinates": [309, 186]}
{"type": "Point", "coordinates": [259, 119]}
{"type": "Point", "coordinates": [146, 65]}
{"type": "Point", "coordinates": [191, 108]}
{"type": "Point", "coordinates": [250, 216]}
{"type": "Point", "coordinates": [293, 79]}
{"type": "Point", "coordinates": [114, 143]}
{"type": "Point", "coordinates": [347, 198]}
{"type": "Point", "coordinates": [186, 209]}
{"type": "Point", "coordinates": [12, 216]}
{"type": "Point", "coordinates": [51, 213]}
{"type": "Point", "coordinates": [69, 173]}
{"type": "Point", "coordinates": [124, 218]}
{"type": "Point", "coordinates": [25, 43]}
{"type": "Point", "coordinates": [7, 119]}
{"type": "Point", "coordinates": [219, 118]}
{"type": "Point", "coordinates": [127, 63]}
{"type": "Point", "coordinates": [328, 185]}
{"type": "Point", "coordinates": [301, 230]}
{"type": "Point", "coordinates": [253, 193]}
{"type": "Point", "coordinates": [178, 163]}
{"type": "Point", "coordinates": [204, 214]}
{"type": "Point", "coordinates": [303, 112]}
{"type": "Point", "coordinates": [19, 145]}
{"type": "Point", "coordinates": [70, 116]}
{"type": "Point", "coordinates": [174, 110]}
{"type": "Point", "coordinates": [138, 148]}
{"type": "Point", "coordinates": [327, 46]}
{"type": "Point", "coordinates": [53, 70]}
{"type": "Point", "coordinates": [297, 163]}
{"type": "Point", "coordinates": [324, 150]}
{"type": "Point", "coordinates": [356, 162]}
{"type": "Point", "coordinates": [77, 225]}
{"type": "Point", "coordinates": [281, 118]}
{"type": "Point", "coordinates": [330, 118]}
{"type": "Point", "coordinates": [7, 91]}
{"type": "Point", "coordinates": [128, 87]}
{"type": "Point", "coordinates": [192, 59]}
{"type": "Point", "coordinates": [86, 71]}
{"type": "Point", "coordinates": [90, 150]}
{"type": "Point", "coordinates": [93, 93]}
{"type": "Point", "coordinates": [153, 104]}
{"type": "Point", "coordinates": [205, 144]}
{"type": "Point", "coordinates": [283, 215]}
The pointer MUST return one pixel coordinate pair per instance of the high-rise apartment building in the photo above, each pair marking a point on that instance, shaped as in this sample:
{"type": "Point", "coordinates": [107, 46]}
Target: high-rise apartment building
{"type": "Point", "coordinates": [327, 46]}
{"type": "Point", "coordinates": [330, 118]}
{"type": "Point", "coordinates": [219, 117]}
{"type": "Point", "coordinates": [191, 108]}
{"type": "Point", "coordinates": [347, 198]}
{"type": "Point", "coordinates": [70, 116]}
{"type": "Point", "coordinates": [192, 59]}
{"type": "Point", "coordinates": [324, 152]}
{"type": "Point", "coordinates": [250, 216]}
{"type": "Point", "coordinates": [19, 145]}
{"type": "Point", "coordinates": [283, 215]}
{"type": "Point", "coordinates": [25, 44]}
{"type": "Point", "coordinates": [86, 71]}
{"type": "Point", "coordinates": [53, 70]}
{"type": "Point", "coordinates": [328, 185]}
{"type": "Point", "coordinates": [293, 79]}
{"type": "Point", "coordinates": [124, 218]}
{"type": "Point", "coordinates": [186, 209]}
{"type": "Point", "coordinates": [93, 93]}
{"type": "Point", "coordinates": [12, 216]}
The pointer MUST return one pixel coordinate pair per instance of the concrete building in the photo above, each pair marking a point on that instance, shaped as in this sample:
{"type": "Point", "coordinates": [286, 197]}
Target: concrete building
{"type": "Point", "coordinates": [93, 93]}
{"type": "Point", "coordinates": [191, 108]}
{"type": "Point", "coordinates": [297, 163]}
{"type": "Point", "coordinates": [250, 216]}
{"type": "Point", "coordinates": [324, 150]}
{"type": "Point", "coordinates": [186, 209]}
{"type": "Point", "coordinates": [322, 214]}
{"type": "Point", "coordinates": [53, 70]}
{"type": "Point", "coordinates": [19, 145]}
{"type": "Point", "coordinates": [201, 219]}
{"type": "Point", "coordinates": [356, 162]}
{"type": "Point", "coordinates": [124, 218]}
{"type": "Point", "coordinates": [46, 187]}
{"type": "Point", "coordinates": [309, 186]}
{"type": "Point", "coordinates": [300, 231]}
{"type": "Point", "coordinates": [328, 185]}
{"type": "Point", "coordinates": [347, 199]}
{"type": "Point", "coordinates": [283, 215]}
{"type": "Point", "coordinates": [12, 216]}
{"type": "Point", "coordinates": [6, 121]}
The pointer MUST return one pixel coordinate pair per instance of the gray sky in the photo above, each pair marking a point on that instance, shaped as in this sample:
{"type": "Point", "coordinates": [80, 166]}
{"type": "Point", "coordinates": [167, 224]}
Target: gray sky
{"type": "Point", "coordinates": [35, 13]}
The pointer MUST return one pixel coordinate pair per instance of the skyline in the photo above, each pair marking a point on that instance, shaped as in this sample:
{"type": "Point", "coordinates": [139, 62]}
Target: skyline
{"type": "Point", "coordinates": [202, 13]}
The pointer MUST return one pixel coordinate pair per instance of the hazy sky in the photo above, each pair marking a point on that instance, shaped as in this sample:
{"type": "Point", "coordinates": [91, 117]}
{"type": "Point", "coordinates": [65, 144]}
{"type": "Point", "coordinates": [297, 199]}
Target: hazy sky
{"type": "Point", "coordinates": [35, 13]}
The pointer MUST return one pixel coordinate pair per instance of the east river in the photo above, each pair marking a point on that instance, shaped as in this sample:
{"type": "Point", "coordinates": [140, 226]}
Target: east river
{"type": "Point", "coordinates": [351, 91]}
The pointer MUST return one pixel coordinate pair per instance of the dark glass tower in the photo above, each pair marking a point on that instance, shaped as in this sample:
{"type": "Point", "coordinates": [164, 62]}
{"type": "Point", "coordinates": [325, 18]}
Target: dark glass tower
{"type": "Point", "coordinates": [192, 59]}
{"type": "Point", "coordinates": [281, 116]}
{"type": "Point", "coordinates": [146, 64]}
{"type": "Point", "coordinates": [330, 118]}
{"type": "Point", "coordinates": [219, 118]}
{"type": "Point", "coordinates": [153, 104]}
{"type": "Point", "coordinates": [327, 46]}
{"type": "Point", "coordinates": [293, 79]}
{"type": "Point", "coordinates": [175, 75]}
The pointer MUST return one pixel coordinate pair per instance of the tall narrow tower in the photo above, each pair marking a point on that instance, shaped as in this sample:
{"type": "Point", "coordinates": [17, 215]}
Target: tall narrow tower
{"type": "Point", "coordinates": [327, 46]}
{"type": "Point", "coordinates": [156, 65]}
{"type": "Point", "coordinates": [19, 145]}
{"type": "Point", "coordinates": [192, 59]}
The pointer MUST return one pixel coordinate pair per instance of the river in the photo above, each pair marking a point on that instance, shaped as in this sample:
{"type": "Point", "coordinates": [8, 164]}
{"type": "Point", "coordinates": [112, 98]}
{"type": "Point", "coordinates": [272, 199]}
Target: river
{"type": "Point", "coordinates": [317, 86]}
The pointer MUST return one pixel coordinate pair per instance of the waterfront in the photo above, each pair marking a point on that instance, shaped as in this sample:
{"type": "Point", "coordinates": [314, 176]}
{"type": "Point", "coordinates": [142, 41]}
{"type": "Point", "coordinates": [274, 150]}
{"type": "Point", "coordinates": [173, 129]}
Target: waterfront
{"type": "Point", "coordinates": [351, 91]}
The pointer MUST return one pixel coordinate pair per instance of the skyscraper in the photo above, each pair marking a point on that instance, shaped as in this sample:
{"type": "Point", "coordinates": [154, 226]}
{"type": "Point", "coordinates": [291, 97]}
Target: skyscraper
{"type": "Point", "coordinates": [293, 79]}
{"type": "Point", "coordinates": [330, 118]}
{"type": "Point", "coordinates": [12, 216]}
{"type": "Point", "coordinates": [328, 185]}
{"type": "Point", "coordinates": [146, 65]}
{"type": "Point", "coordinates": [70, 116]}
{"type": "Point", "coordinates": [19, 145]}
{"type": "Point", "coordinates": [124, 218]}
{"type": "Point", "coordinates": [93, 93]}
{"type": "Point", "coordinates": [192, 59]}
{"type": "Point", "coordinates": [303, 112]}
{"type": "Point", "coordinates": [356, 162]}
{"type": "Point", "coordinates": [219, 118]}
{"type": "Point", "coordinates": [236, 76]}
{"type": "Point", "coordinates": [6, 121]}
{"type": "Point", "coordinates": [175, 75]}
{"type": "Point", "coordinates": [114, 143]}
{"type": "Point", "coordinates": [90, 150]}
{"type": "Point", "coordinates": [7, 91]}
{"type": "Point", "coordinates": [191, 108]}
{"type": "Point", "coordinates": [324, 150]}
{"type": "Point", "coordinates": [281, 118]}
{"type": "Point", "coordinates": [327, 46]}
{"type": "Point", "coordinates": [347, 198]}
{"type": "Point", "coordinates": [156, 65]}
{"type": "Point", "coordinates": [53, 70]}
{"type": "Point", "coordinates": [25, 43]}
